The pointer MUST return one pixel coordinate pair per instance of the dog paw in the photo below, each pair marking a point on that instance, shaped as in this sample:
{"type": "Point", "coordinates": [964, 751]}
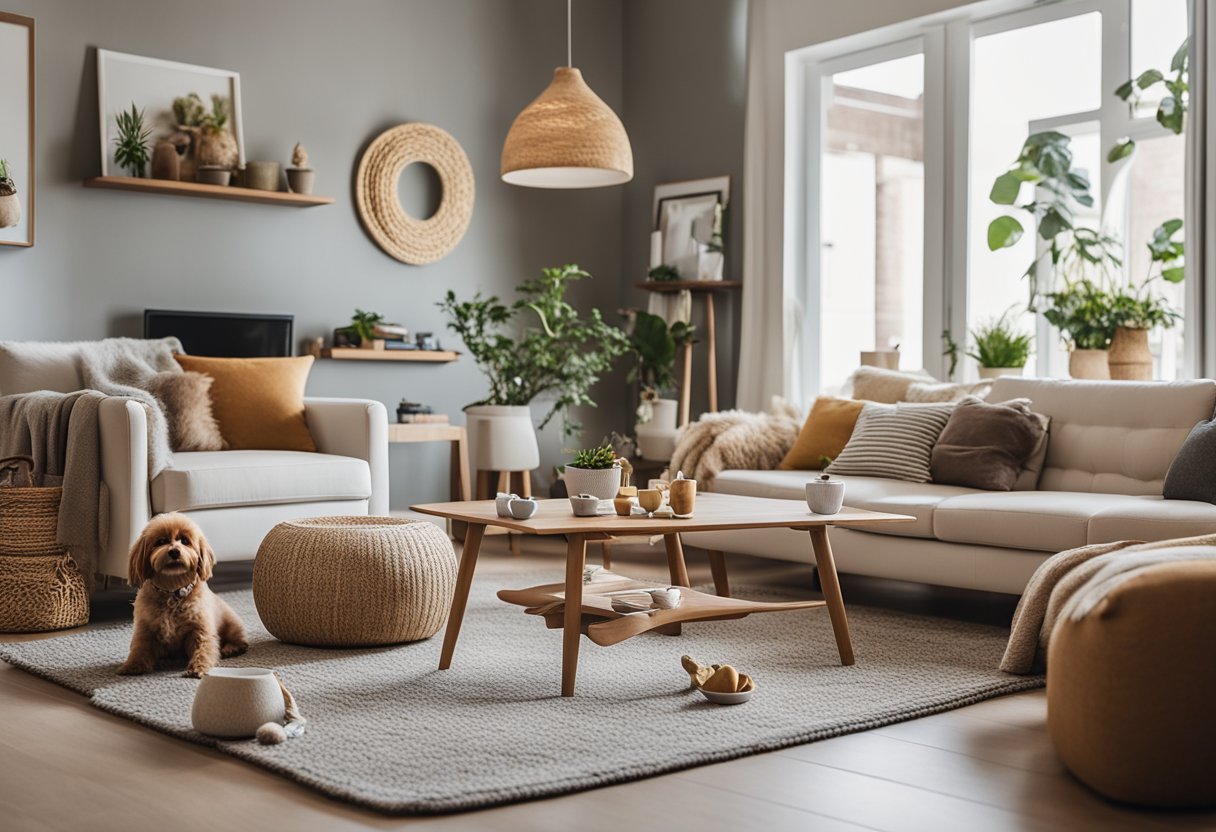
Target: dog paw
{"type": "Point", "coordinates": [195, 672]}
{"type": "Point", "coordinates": [233, 649]}
{"type": "Point", "coordinates": [134, 669]}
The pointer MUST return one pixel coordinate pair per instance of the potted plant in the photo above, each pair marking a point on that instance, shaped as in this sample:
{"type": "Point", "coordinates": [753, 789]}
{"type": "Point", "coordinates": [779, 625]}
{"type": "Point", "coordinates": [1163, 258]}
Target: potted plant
{"type": "Point", "coordinates": [300, 176]}
{"type": "Point", "coordinates": [131, 143]}
{"type": "Point", "coordinates": [537, 347]}
{"type": "Point", "coordinates": [1000, 349]}
{"type": "Point", "coordinates": [216, 145]}
{"type": "Point", "coordinates": [594, 471]}
{"type": "Point", "coordinates": [1083, 313]}
{"type": "Point", "coordinates": [363, 326]}
{"type": "Point", "coordinates": [1137, 309]}
{"type": "Point", "coordinates": [655, 344]}
{"type": "Point", "coordinates": [10, 206]}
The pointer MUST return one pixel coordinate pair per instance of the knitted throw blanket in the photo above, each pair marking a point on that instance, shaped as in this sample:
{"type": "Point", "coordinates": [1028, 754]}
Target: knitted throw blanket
{"type": "Point", "coordinates": [736, 439]}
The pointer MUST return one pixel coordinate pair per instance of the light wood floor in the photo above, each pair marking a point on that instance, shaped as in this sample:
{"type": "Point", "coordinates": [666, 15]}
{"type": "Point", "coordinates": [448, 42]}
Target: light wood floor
{"type": "Point", "coordinates": [66, 765]}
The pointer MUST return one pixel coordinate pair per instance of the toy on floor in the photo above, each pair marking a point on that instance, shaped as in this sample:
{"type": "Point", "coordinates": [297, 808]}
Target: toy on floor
{"type": "Point", "coordinates": [719, 683]}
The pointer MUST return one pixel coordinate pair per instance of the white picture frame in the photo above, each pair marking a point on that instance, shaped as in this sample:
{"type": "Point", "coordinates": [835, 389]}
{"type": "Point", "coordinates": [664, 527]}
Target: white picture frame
{"type": "Point", "coordinates": [684, 217]}
{"type": "Point", "coordinates": [17, 124]}
{"type": "Point", "coordinates": [152, 84]}
{"type": "Point", "coordinates": [690, 187]}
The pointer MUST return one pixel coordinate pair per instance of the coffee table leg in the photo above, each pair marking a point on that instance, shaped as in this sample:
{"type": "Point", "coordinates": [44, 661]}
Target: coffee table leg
{"type": "Point", "coordinates": [464, 580]}
{"type": "Point", "coordinates": [675, 560]}
{"type": "Point", "coordinates": [831, 592]}
{"type": "Point", "coordinates": [576, 556]}
{"type": "Point", "coordinates": [717, 567]}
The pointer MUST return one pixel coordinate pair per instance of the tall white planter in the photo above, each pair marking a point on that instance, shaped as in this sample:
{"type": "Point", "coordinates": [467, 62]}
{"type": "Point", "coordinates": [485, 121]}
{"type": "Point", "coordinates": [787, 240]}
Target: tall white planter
{"type": "Point", "coordinates": [657, 437]}
{"type": "Point", "coordinates": [501, 438]}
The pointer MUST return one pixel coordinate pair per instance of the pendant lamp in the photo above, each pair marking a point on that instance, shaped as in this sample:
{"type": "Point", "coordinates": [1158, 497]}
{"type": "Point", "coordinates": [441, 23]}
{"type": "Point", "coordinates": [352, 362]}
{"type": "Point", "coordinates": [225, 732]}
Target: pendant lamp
{"type": "Point", "coordinates": [568, 137]}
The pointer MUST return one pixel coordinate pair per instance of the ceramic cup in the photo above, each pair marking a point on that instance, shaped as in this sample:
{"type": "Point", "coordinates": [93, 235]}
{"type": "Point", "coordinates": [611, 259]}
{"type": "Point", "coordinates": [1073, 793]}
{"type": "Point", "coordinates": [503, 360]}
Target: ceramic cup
{"type": "Point", "coordinates": [236, 701]}
{"type": "Point", "coordinates": [623, 506]}
{"type": "Point", "coordinates": [682, 495]}
{"type": "Point", "coordinates": [501, 502]}
{"type": "Point", "coordinates": [650, 499]}
{"type": "Point", "coordinates": [825, 496]}
{"type": "Point", "coordinates": [262, 176]}
{"type": "Point", "coordinates": [522, 508]}
{"type": "Point", "coordinates": [584, 505]}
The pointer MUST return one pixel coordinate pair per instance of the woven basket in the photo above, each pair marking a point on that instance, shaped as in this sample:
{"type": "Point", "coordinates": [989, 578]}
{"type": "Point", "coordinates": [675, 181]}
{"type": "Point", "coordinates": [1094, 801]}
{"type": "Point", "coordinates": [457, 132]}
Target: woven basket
{"type": "Point", "coordinates": [41, 593]}
{"type": "Point", "coordinates": [29, 515]}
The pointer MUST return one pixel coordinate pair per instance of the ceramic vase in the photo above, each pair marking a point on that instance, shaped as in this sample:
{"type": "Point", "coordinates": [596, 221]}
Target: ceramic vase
{"type": "Point", "coordinates": [236, 701]}
{"type": "Point", "coordinates": [997, 372]}
{"type": "Point", "coordinates": [501, 438]}
{"type": "Point", "coordinates": [600, 482]}
{"type": "Point", "coordinates": [825, 496]}
{"type": "Point", "coordinates": [1088, 364]}
{"type": "Point", "coordinates": [10, 211]}
{"type": "Point", "coordinates": [165, 162]}
{"type": "Point", "coordinates": [1129, 357]}
{"type": "Point", "coordinates": [657, 436]}
{"type": "Point", "coordinates": [300, 180]}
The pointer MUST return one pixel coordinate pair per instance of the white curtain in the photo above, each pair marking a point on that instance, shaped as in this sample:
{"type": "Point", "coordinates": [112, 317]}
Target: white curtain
{"type": "Point", "coordinates": [1201, 189]}
{"type": "Point", "coordinates": [769, 318]}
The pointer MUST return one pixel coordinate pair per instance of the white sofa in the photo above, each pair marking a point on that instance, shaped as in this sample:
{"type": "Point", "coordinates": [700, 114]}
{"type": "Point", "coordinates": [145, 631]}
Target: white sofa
{"type": "Point", "coordinates": [236, 496]}
{"type": "Point", "coordinates": [1110, 444]}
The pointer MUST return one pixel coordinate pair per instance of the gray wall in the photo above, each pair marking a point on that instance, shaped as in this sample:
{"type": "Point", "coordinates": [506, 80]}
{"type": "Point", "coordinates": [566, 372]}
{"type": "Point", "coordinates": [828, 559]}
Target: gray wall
{"type": "Point", "coordinates": [685, 81]}
{"type": "Point", "coordinates": [332, 75]}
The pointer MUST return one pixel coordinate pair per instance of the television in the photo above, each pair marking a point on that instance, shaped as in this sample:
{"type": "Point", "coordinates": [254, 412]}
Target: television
{"type": "Point", "coordinates": [223, 334]}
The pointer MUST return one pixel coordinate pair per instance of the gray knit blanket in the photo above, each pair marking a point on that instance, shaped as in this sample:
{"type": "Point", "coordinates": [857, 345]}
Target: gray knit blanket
{"type": "Point", "coordinates": [1074, 582]}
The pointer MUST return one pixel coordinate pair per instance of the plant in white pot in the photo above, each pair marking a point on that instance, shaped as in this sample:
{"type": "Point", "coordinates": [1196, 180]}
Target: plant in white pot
{"type": "Point", "coordinates": [594, 471]}
{"type": "Point", "coordinates": [537, 346]}
{"type": "Point", "coordinates": [1000, 349]}
{"type": "Point", "coordinates": [656, 345]}
{"type": "Point", "coordinates": [10, 205]}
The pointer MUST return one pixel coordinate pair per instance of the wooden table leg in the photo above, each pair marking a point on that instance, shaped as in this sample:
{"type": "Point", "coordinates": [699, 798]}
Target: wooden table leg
{"type": "Point", "coordinates": [606, 552]}
{"type": "Point", "coordinates": [686, 386]}
{"type": "Point", "coordinates": [831, 592]}
{"type": "Point", "coordinates": [711, 346]}
{"type": "Point", "coordinates": [675, 560]}
{"type": "Point", "coordinates": [576, 556]}
{"type": "Point", "coordinates": [460, 598]}
{"type": "Point", "coordinates": [717, 567]}
{"type": "Point", "coordinates": [460, 471]}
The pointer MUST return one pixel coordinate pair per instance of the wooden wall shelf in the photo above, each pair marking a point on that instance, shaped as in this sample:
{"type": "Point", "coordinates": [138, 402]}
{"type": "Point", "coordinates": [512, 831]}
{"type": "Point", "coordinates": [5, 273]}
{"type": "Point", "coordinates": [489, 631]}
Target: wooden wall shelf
{"type": "Point", "coordinates": [356, 354]}
{"type": "Point", "coordinates": [690, 285]}
{"type": "Point", "coordinates": [196, 189]}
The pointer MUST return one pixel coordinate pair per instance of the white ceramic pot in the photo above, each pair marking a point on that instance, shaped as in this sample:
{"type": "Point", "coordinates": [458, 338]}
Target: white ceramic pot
{"type": "Point", "coordinates": [997, 372]}
{"type": "Point", "coordinates": [657, 437]}
{"type": "Point", "coordinates": [10, 211]}
{"type": "Point", "coordinates": [825, 496]}
{"type": "Point", "coordinates": [501, 438]}
{"type": "Point", "coordinates": [236, 701]}
{"type": "Point", "coordinates": [600, 482]}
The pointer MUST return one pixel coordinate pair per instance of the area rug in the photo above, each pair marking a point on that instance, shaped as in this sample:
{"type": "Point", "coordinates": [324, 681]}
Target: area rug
{"type": "Point", "coordinates": [389, 731]}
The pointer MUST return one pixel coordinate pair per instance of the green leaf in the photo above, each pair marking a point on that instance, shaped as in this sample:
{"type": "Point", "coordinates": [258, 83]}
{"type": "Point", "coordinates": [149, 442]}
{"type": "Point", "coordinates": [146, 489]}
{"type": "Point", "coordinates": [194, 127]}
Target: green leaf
{"type": "Point", "coordinates": [1123, 148]}
{"type": "Point", "coordinates": [1148, 78]}
{"type": "Point", "coordinates": [1053, 223]}
{"type": "Point", "coordinates": [1170, 114]}
{"type": "Point", "coordinates": [1170, 227]}
{"type": "Point", "coordinates": [1006, 188]}
{"type": "Point", "coordinates": [1174, 275]}
{"type": "Point", "coordinates": [1004, 232]}
{"type": "Point", "coordinates": [1124, 90]}
{"type": "Point", "coordinates": [1179, 61]}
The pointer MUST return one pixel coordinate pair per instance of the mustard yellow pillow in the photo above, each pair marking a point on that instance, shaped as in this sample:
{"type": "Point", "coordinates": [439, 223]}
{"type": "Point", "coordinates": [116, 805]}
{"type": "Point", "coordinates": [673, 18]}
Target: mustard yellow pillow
{"type": "Point", "coordinates": [825, 433]}
{"type": "Point", "coordinates": [258, 402]}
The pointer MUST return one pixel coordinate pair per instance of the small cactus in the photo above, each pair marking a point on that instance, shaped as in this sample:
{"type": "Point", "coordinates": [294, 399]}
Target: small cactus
{"type": "Point", "coordinates": [299, 156]}
{"type": "Point", "coordinates": [595, 459]}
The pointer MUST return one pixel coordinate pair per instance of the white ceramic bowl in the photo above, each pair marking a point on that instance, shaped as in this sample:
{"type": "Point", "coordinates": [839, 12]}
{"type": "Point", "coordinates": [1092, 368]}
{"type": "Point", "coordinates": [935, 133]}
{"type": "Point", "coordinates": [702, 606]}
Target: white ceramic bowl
{"type": "Point", "coordinates": [236, 701]}
{"type": "Point", "coordinates": [727, 698]}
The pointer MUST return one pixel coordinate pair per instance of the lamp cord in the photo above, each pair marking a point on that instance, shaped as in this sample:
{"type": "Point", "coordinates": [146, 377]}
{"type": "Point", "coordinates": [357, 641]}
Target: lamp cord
{"type": "Point", "coordinates": [569, 39]}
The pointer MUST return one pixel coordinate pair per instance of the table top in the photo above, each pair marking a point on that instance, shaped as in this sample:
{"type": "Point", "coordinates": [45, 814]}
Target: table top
{"type": "Point", "coordinates": [714, 512]}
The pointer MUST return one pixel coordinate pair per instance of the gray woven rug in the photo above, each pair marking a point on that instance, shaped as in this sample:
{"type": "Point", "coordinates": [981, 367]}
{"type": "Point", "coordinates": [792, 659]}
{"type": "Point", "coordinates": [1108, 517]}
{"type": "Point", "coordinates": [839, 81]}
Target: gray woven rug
{"type": "Point", "coordinates": [388, 731]}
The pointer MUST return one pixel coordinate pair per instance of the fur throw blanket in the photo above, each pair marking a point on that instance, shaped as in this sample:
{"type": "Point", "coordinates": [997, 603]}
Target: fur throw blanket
{"type": "Point", "coordinates": [736, 439]}
{"type": "Point", "coordinates": [1071, 584]}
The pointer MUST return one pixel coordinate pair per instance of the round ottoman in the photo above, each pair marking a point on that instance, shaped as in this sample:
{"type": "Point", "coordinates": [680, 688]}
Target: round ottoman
{"type": "Point", "coordinates": [1131, 688]}
{"type": "Point", "coordinates": [354, 581]}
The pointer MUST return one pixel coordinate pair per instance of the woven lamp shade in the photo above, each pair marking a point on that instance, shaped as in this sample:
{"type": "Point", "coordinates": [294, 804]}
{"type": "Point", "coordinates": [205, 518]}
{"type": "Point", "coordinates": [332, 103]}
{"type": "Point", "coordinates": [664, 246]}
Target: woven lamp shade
{"type": "Point", "coordinates": [567, 138]}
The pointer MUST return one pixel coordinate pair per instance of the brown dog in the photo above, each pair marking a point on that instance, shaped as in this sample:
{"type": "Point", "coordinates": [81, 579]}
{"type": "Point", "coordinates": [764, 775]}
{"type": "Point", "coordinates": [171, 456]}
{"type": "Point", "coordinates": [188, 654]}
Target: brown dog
{"type": "Point", "coordinates": [176, 614]}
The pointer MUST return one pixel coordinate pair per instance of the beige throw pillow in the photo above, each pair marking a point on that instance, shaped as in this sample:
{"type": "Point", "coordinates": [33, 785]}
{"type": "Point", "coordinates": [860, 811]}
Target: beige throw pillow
{"type": "Point", "coordinates": [186, 399]}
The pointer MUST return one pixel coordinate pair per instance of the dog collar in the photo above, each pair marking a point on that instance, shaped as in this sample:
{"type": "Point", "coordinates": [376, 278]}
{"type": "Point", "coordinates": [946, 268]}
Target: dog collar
{"type": "Point", "coordinates": [179, 593]}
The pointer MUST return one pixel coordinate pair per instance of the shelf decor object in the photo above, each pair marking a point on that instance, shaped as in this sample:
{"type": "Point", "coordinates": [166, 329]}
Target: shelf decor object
{"type": "Point", "coordinates": [405, 238]}
{"type": "Point", "coordinates": [568, 137]}
{"type": "Point", "coordinates": [198, 189]}
{"type": "Point", "coordinates": [16, 130]}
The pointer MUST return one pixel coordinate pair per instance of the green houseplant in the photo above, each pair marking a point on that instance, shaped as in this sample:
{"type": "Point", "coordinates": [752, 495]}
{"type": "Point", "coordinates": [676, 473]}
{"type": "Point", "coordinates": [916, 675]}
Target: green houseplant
{"type": "Point", "coordinates": [655, 345]}
{"type": "Point", "coordinates": [131, 143]}
{"type": "Point", "coordinates": [1000, 348]}
{"type": "Point", "coordinates": [10, 206]}
{"type": "Point", "coordinates": [594, 471]}
{"type": "Point", "coordinates": [363, 326]}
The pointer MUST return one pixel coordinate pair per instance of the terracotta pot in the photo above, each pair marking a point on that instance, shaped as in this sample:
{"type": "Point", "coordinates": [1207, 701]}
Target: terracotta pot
{"type": "Point", "coordinates": [1088, 364]}
{"type": "Point", "coordinates": [997, 372]}
{"type": "Point", "coordinates": [1130, 357]}
{"type": "Point", "coordinates": [10, 211]}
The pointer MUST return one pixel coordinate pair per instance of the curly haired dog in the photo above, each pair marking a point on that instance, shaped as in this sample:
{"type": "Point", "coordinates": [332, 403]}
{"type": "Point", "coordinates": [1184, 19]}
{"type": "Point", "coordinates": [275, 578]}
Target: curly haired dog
{"type": "Point", "coordinates": [176, 613]}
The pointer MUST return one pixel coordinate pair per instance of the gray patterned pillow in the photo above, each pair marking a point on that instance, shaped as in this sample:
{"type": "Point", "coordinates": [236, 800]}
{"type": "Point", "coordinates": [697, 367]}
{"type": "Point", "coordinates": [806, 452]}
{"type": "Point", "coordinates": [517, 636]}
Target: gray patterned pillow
{"type": "Point", "coordinates": [895, 443]}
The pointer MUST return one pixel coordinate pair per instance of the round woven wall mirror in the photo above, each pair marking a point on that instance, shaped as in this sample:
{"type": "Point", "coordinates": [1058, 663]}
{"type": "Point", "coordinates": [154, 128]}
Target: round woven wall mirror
{"type": "Point", "coordinates": [406, 238]}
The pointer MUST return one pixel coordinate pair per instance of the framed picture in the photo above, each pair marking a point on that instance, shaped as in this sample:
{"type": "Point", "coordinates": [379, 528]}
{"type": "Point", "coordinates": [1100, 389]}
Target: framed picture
{"type": "Point", "coordinates": [16, 130]}
{"type": "Point", "coordinates": [687, 216]}
{"type": "Point", "coordinates": [151, 85]}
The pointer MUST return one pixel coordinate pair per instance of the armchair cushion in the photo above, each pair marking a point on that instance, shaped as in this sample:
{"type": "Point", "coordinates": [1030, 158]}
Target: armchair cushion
{"type": "Point", "coordinates": [225, 479]}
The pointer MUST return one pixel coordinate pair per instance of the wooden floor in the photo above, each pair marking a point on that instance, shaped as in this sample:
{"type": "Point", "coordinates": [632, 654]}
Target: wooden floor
{"type": "Point", "coordinates": [66, 765]}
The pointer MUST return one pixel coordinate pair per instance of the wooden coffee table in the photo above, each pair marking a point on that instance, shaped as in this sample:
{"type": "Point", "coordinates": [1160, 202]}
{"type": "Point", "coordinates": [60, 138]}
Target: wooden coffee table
{"type": "Point", "coordinates": [577, 611]}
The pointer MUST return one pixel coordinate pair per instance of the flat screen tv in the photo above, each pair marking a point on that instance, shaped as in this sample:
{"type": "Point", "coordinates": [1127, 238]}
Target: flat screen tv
{"type": "Point", "coordinates": [221, 334]}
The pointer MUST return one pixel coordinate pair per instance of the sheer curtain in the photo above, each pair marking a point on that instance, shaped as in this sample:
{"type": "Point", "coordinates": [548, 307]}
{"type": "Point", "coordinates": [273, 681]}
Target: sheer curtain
{"type": "Point", "coordinates": [1201, 188]}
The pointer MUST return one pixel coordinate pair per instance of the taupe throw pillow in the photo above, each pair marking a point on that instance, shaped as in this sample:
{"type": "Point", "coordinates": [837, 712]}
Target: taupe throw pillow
{"type": "Point", "coordinates": [186, 399]}
{"type": "Point", "coordinates": [986, 445]}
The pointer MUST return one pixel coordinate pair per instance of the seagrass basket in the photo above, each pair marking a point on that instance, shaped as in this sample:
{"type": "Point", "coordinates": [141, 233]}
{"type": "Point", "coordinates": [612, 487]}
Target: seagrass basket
{"type": "Point", "coordinates": [29, 514]}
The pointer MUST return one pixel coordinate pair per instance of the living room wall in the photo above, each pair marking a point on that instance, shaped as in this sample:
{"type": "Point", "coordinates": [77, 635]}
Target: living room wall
{"type": "Point", "coordinates": [332, 75]}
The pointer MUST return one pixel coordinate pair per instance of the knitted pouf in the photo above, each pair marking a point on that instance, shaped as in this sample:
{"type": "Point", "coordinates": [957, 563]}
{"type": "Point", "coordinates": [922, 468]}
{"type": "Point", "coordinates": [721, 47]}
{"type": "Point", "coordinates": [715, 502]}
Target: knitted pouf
{"type": "Point", "coordinates": [354, 581]}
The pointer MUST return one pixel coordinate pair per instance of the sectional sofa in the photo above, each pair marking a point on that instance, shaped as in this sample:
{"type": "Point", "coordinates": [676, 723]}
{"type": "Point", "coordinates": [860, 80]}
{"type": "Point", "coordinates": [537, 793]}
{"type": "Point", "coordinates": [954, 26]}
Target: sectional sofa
{"type": "Point", "coordinates": [1110, 444]}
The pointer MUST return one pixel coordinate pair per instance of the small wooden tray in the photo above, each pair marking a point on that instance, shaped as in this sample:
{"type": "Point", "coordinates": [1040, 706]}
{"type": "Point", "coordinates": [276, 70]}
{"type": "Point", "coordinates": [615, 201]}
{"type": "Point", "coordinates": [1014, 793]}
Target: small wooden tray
{"type": "Point", "coordinates": [605, 626]}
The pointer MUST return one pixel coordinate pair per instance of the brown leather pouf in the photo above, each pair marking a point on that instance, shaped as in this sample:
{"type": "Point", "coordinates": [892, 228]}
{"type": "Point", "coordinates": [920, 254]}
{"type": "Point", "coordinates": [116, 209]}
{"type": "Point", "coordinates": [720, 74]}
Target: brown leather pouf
{"type": "Point", "coordinates": [1131, 689]}
{"type": "Point", "coordinates": [354, 581]}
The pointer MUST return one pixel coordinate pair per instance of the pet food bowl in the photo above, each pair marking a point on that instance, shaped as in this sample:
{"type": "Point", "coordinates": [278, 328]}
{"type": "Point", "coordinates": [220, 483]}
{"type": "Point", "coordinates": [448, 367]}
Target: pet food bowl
{"type": "Point", "coordinates": [719, 698]}
{"type": "Point", "coordinates": [234, 702]}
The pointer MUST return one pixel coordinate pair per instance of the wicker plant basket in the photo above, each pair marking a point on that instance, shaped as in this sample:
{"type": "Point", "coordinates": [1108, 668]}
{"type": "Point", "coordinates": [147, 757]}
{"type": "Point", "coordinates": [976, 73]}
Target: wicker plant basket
{"type": "Point", "coordinates": [29, 514]}
{"type": "Point", "coordinates": [41, 593]}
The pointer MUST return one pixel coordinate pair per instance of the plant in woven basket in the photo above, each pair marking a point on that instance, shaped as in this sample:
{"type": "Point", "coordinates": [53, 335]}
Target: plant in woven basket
{"type": "Point", "coordinates": [7, 187]}
{"type": "Point", "coordinates": [594, 459]}
{"type": "Point", "coordinates": [539, 345]}
{"type": "Point", "coordinates": [217, 146]}
{"type": "Point", "coordinates": [131, 143]}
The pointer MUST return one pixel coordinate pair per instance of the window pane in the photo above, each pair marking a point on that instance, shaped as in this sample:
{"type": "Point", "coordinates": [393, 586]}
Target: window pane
{"type": "Point", "coordinates": [872, 264]}
{"type": "Point", "coordinates": [1158, 29]}
{"type": "Point", "coordinates": [1008, 94]}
